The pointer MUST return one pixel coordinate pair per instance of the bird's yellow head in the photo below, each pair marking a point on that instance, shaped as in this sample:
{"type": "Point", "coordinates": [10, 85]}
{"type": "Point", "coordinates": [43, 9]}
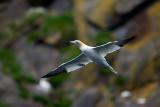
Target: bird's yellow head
{"type": "Point", "coordinates": [77, 43]}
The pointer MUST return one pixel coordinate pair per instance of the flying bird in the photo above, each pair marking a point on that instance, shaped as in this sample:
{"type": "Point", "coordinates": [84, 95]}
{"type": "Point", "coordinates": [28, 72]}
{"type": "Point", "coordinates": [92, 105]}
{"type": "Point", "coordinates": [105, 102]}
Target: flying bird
{"type": "Point", "coordinates": [89, 54]}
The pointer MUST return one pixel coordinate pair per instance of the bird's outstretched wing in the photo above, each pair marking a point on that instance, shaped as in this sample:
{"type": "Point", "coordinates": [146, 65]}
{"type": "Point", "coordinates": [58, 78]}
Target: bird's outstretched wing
{"type": "Point", "coordinates": [74, 64]}
{"type": "Point", "coordinates": [110, 47]}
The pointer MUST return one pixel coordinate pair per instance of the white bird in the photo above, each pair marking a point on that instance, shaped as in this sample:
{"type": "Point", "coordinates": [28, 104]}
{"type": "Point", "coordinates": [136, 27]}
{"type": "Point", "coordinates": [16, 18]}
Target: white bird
{"type": "Point", "coordinates": [89, 54]}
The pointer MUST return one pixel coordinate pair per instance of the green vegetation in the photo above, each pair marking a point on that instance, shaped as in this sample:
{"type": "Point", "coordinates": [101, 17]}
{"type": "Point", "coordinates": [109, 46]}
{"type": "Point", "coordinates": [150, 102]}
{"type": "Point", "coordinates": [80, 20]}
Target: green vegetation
{"type": "Point", "coordinates": [63, 23]}
{"type": "Point", "coordinates": [120, 80]}
{"type": "Point", "coordinates": [47, 25]}
{"type": "Point", "coordinates": [58, 80]}
{"type": "Point", "coordinates": [10, 63]}
{"type": "Point", "coordinates": [44, 25]}
{"type": "Point", "coordinates": [101, 37]}
{"type": "Point", "coordinates": [49, 102]}
{"type": "Point", "coordinates": [4, 105]}
{"type": "Point", "coordinates": [105, 71]}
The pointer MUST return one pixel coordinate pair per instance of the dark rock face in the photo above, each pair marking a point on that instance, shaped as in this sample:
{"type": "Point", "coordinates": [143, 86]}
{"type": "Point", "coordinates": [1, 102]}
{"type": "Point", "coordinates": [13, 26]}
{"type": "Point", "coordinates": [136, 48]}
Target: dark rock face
{"type": "Point", "coordinates": [126, 103]}
{"type": "Point", "coordinates": [35, 60]}
{"type": "Point", "coordinates": [88, 99]}
{"type": "Point", "coordinates": [8, 90]}
{"type": "Point", "coordinates": [154, 100]}
{"type": "Point", "coordinates": [138, 63]}
{"type": "Point", "coordinates": [62, 5]}
{"type": "Point", "coordinates": [3, 1]}
{"type": "Point", "coordinates": [28, 103]}
{"type": "Point", "coordinates": [44, 3]}
{"type": "Point", "coordinates": [11, 10]}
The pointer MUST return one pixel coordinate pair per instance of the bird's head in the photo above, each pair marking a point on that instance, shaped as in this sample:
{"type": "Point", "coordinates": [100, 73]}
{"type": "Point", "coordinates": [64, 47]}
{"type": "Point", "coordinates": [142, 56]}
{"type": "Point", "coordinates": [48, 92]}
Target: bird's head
{"type": "Point", "coordinates": [77, 43]}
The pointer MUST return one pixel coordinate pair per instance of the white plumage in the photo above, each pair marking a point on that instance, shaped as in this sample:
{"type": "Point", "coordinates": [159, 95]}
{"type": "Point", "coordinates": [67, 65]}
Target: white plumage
{"type": "Point", "coordinates": [89, 54]}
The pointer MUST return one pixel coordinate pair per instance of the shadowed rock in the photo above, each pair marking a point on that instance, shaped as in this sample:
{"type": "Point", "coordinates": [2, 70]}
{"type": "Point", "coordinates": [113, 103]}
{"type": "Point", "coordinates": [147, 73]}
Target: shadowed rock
{"type": "Point", "coordinates": [88, 99]}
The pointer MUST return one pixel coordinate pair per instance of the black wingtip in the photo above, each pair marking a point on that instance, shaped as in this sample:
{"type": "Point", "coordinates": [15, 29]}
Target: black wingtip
{"type": "Point", "coordinates": [123, 42]}
{"type": "Point", "coordinates": [51, 74]}
{"type": "Point", "coordinates": [46, 76]}
{"type": "Point", "coordinates": [54, 72]}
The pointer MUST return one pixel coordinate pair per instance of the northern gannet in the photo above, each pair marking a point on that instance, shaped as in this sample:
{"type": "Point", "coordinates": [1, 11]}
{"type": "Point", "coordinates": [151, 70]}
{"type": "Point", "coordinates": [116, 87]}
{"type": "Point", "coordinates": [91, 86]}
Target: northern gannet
{"type": "Point", "coordinates": [89, 54]}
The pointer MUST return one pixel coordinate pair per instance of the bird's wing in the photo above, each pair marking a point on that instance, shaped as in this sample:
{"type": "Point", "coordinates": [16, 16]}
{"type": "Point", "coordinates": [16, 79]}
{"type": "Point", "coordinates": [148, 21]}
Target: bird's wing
{"type": "Point", "coordinates": [74, 64]}
{"type": "Point", "coordinates": [110, 67]}
{"type": "Point", "coordinates": [112, 46]}
{"type": "Point", "coordinates": [107, 48]}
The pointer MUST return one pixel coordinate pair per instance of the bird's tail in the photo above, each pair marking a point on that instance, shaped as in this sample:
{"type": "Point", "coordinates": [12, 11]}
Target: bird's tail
{"type": "Point", "coordinates": [125, 41]}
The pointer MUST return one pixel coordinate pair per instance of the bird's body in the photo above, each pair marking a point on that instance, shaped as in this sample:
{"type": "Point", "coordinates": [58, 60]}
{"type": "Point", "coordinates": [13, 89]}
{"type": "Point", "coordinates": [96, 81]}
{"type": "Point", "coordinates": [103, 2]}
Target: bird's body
{"type": "Point", "coordinates": [96, 57]}
{"type": "Point", "coordinates": [90, 54]}
{"type": "Point", "coordinates": [93, 55]}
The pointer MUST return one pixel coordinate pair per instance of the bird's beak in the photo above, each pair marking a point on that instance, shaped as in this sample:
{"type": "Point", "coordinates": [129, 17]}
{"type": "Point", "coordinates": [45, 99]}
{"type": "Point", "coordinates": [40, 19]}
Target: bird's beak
{"type": "Point", "coordinates": [73, 42]}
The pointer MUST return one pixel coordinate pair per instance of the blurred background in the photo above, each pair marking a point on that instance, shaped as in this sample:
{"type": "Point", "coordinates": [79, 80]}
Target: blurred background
{"type": "Point", "coordinates": [34, 38]}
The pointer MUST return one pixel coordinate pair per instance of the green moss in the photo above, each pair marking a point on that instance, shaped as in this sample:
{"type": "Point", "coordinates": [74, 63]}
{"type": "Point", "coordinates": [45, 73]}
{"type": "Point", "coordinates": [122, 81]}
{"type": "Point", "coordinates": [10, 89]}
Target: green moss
{"type": "Point", "coordinates": [63, 103]}
{"type": "Point", "coordinates": [2, 104]}
{"type": "Point", "coordinates": [120, 80]}
{"type": "Point", "coordinates": [42, 99]}
{"type": "Point", "coordinates": [102, 37]}
{"type": "Point", "coordinates": [12, 67]}
{"type": "Point", "coordinates": [6, 35]}
{"type": "Point", "coordinates": [23, 92]}
{"type": "Point", "coordinates": [33, 15]}
{"type": "Point", "coordinates": [72, 51]}
{"type": "Point", "coordinates": [35, 35]}
{"type": "Point", "coordinates": [46, 101]}
{"type": "Point", "coordinates": [29, 79]}
{"type": "Point", "coordinates": [10, 33]}
{"type": "Point", "coordinates": [63, 23]}
{"type": "Point", "coordinates": [58, 80]}
{"type": "Point", "coordinates": [9, 63]}
{"type": "Point", "coordinates": [105, 71]}
{"type": "Point", "coordinates": [50, 102]}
